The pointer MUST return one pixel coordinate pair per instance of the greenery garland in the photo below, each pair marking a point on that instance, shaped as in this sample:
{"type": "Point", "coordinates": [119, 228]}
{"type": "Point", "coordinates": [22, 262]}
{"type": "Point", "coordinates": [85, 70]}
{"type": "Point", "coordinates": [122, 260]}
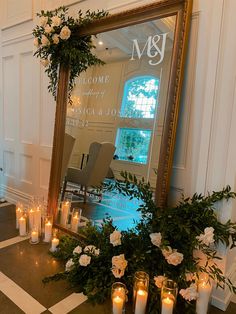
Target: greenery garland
{"type": "Point", "coordinates": [58, 43]}
{"type": "Point", "coordinates": [163, 244]}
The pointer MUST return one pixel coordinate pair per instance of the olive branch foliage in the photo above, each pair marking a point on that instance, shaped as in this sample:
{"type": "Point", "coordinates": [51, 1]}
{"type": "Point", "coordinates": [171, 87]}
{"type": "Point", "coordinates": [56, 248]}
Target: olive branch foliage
{"type": "Point", "coordinates": [178, 226]}
{"type": "Point", "coordinates": [76, 52]}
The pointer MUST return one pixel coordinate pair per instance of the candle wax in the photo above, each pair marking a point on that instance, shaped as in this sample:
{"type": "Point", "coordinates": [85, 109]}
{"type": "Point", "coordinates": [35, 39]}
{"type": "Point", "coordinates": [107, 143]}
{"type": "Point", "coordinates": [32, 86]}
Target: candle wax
{"type": "Point", "coordinates": [64, 212]}
{"type": "Point", "coordinates": [48, 232]}
{"type": "Point", "coordinates": [141, 302]}
{"type": "Point", "coordinates": [34, 236]}
{"type": "Point", "coordinates": [75, 222]}
{"type": "Point", "coordinates": [55, 243]}
{"type": "Point", "coordinates": [18, 215]}
{"type": "Point", "coordinates": [117, 305]}
{"type": "Point", "coordinates": [167, 306]}
{"type": "Point", "coordinates": [204, 292]}
{"type": "Point", "coordinates": [22, 226]}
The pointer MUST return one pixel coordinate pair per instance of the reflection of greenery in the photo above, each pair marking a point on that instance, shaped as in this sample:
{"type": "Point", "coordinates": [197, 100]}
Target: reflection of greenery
{"type": "Point", "coordinates": [134, 143]}
{"type": "Point", "coordinates": [141, 91]}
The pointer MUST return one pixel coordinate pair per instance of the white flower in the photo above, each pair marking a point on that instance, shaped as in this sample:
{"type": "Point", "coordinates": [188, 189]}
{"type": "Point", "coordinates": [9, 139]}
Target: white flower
{"type": "Point", "coordinates": [48, 29]}
{"type": "Point", "coordinates": [159, 281]}
{"type": "Point", "coordinates": [77, 250]}
{"type": "Point", "coordinates": [190, 276]}
{"type": "Point", "coordinates": [43, 21]}
{"type": "Point", "coordinates": [207, 237]}
{"type": "Point", "coordinates": [190, 293]}
{"type": "Point", "coordinates": [84, 260]}
{"type": "Point", "coordinates": [69, 264]}
{"type": "Point", "coordinates": [167, 251]}
{"type": "Point", "coordinates": [44, 62]}
{"type": "Point", "coordinates": [115, 238]}
{"type": "Point", "coordinates": [56, 21]}
{"type": "Point", "coordinates": [119, 265]}
{"type": "Point", "coordinates": [36, 42]}
{"type": "Point", "coordinates": [175, 258]}
{"type": "Point", "coordinates": [55, 39]}
{"type": "Point", "coordinates": [45, 41]}
{"type": "Point", "coordinates": [156, 238]}
{"type": "Point", "coordinates": [65, 32]}
{"type": "Point", "coordinates": [92, 250]}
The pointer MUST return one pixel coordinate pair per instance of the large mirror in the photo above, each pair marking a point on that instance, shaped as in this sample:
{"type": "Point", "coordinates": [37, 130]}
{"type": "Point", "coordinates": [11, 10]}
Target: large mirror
{"type": "Point", "coordinates": [122, 115]}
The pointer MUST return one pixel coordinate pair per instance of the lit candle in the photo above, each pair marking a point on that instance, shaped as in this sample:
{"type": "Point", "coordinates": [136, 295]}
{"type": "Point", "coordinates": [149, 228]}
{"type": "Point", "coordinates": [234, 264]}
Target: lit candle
{"type": "Point", "coordinates": [18, 215]}
{"type": "Point", "coordinates": [75, 222]}
{"type": "Point", "coordinates": [48, 232]}
{"type": "Point", "coordinates": [64, 212]}
{"type": "Point", "coordinates": [22, 226]}
{"type": "Point", "coordinates": [31, 219]}
{"type": "Point", "coordinates": [204, 292]}
{"type": "Point", "coordinates": [34, 236]}
{"type": "Point", "coordinates": [167, 306]}
{"type": "Point", "coordinates": [37, 219]}
{"type": "Point", "coordinates": [55, 243]}
{"type": "Point", "coordinates": [117, 304]}
{"type": "Point", "coordinates": [141, 302]}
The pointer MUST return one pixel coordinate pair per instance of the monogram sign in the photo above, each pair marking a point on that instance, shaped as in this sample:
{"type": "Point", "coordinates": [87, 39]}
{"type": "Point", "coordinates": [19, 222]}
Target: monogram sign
{"type": "Point", "coordinates": [155, 47]}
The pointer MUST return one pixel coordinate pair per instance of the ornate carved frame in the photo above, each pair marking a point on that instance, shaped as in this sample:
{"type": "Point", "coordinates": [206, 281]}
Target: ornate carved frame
{"type": "Point", "coordinates": [182, 10]}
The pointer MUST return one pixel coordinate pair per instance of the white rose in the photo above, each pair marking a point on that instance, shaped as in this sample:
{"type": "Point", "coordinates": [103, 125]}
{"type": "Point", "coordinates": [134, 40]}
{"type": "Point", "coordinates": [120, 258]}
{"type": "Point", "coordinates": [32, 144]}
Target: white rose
{"type": "Point", "coordinates": [44, 62]}
{"type": "Point", "coordinates": [156, 238]}
{"type": "Point", "coordinates": [115, 238]}
{"type": "Point", "coordinates": [190, 276]}
{"type": "Point", "coordinates": [119, 261]}
{"type": "Point", "coordinates": [159, 281]}
{"type": "Point", "coordinates": [45, 41]}
{"type": "Point", "coordinates": [207, 237]}
{"type": "Point", "coordinates": [77, 250]}
{"type": "Point", "coordinates": [36, 42]}
{"type": "Point", "coordinates": [167, 251]}
{"type": "Point", "coordinates": [65, 32]}
{"type": "Point", "coordinates": [56, 21]}
{"type": "Point", "coordinates": [118, 273]}
{"type": "Point", "coordinates": [190, 293]}
{"type": "Point", "coordinates": [84, 260]}
{"type": "Point", "coordinates": [69, 264]}
{"type": "Point", "coordinates": [175, 258]}
{"type": "Point", "coordinates": [43, 21]}
{"type": "Point", "coordinates": [48, 29]}
{"type": "Point", "coordinates": [55, 39]}
{"type": "Point", "coordinates": [92, 250]}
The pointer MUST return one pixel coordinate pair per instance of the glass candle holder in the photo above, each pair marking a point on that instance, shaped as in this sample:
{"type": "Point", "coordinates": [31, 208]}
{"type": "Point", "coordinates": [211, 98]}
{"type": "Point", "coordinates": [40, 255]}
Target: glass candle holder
{"type": "Point", "coordinates": [19, 213]}
{"type": "Point", "coordinates": [23, 224]}
{"type": "Point", "coordinates": [75, 219]}
{"type": "Point", "coordinates": [38, 218]}
{"type": "Point", "coordinates": [65, 211]}
{"type": "Point", "coordinates": [204, 293]}
{"type": "Point", "coordinates": [31, 217]}
{"type": "Point", "coordinates": [47, 228]}
{"type": "Point", "coordinates": [118, 297]}
{"type": "Point", "coordinates": [34, 235]}
{"type": "Point", "coordinates": [140, 292]}
{"type": "Point", "coordinates": [168, 296]}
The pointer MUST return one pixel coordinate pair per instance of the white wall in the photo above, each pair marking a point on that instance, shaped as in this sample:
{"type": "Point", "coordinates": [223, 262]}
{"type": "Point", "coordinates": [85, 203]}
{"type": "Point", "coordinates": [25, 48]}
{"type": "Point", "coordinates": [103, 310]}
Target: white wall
{"type": "Point", "coordinates": [205, 156]}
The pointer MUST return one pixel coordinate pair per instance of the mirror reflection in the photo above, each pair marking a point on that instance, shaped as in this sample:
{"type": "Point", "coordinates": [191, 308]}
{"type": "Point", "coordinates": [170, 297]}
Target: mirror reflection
{"type": "Point", "coordinates": [115, 121]}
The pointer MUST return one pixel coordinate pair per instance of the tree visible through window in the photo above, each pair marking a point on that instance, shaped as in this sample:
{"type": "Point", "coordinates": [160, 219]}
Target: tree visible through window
{"type": "Point", "coordinates": [139, 102]}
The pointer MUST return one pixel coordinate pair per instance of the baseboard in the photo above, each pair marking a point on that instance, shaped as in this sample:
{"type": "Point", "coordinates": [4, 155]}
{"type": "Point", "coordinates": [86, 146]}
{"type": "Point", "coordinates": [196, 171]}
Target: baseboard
{"type": "Point", "coordinates": [226, 295]}
{"type": "Point", "coordinates": [13, 196]}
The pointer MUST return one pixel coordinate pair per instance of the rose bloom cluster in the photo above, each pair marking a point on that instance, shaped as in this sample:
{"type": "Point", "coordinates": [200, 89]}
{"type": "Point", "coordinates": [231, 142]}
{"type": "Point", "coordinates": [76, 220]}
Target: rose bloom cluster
{"type": "Point", "coordinates": [52, 31]}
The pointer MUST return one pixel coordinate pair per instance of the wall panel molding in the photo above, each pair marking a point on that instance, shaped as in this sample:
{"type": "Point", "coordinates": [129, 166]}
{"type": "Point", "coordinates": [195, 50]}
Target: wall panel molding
{"type": "Point", "coordinates": [17, 39]}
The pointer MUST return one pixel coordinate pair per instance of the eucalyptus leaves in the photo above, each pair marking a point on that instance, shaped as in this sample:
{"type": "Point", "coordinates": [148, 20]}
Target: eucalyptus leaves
{"type": "Point", "coordinates": [57, 43]}
{"type": "Point", "coordinates": [165, 244]}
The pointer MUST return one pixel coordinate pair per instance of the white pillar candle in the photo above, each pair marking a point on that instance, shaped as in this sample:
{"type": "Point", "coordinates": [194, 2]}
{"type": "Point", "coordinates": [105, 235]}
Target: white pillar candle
{"type": "Point", "coordinates": [34, 236]}
{"type": "Point", "coordinates": [22, 226]}
{"type": "Point", "coordinates": [75, 222]}
{"type": "Point", "coordinates": [55, 243]}
{"type": "Point", "coordinates": [31, 219]}
{"type": "Point", "coordinates": [64, 212]}
{"type": "Point", "coordinates": [167, 306]}
{"type": "Point", "coordinates": [48, 232]}
{"type": "Point", "coordinates": [18, 215]}
{"type": "Point", "coordinates": [37, 219]}
{"type": "Point", "coordinates": [204, 292]}
{"type": "Point", "coordinates": [117, 305]}
{"type": "Point", "coordinates": [141, 302]}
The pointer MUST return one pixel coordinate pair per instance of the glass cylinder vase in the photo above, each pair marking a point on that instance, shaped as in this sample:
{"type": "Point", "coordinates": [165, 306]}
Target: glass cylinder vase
{"type": "Point", "coordinates": [19, 213]}
{"type": "Point", "coordinates": [204, 292]}
{"type": "Point", "coordinates": [47, 228]}
{"type": "Point", "coordinates": [75, 219]}
{"type": "Point", "coordinates": [140, 292]}
{"type": "Point", "coordinates": [168, 296]}
{"type": "Point", "coordinates": [65, 211]}
{"type": "Point", "coordinates": [34, 235]}
{"type": "Point", "coordinates": [23, 224]}
{"type": "Point", "coordinates": [118, 297]}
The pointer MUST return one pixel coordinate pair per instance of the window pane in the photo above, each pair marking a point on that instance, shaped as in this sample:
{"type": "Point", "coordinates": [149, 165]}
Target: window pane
{"type": "Point", "coordinates": [133, 145]}
{"type": "Point", "coordinates": [140, 97]}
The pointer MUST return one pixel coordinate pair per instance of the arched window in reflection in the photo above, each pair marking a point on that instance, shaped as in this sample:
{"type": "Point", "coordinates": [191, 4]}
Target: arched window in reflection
{"type": "Point", "coordinates": [137, 113]}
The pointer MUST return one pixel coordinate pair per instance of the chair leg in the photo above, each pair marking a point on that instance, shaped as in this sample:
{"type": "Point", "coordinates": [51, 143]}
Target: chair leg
{"type": "Point", "coordinates": [85, 194]}
{"type": "Point", "coordinates": [63, 189]}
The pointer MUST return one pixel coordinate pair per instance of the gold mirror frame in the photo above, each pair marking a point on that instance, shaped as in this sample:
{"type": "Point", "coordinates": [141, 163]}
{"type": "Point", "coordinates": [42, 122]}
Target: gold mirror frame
{"type": "Point", "coordinates": [182, 10]}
